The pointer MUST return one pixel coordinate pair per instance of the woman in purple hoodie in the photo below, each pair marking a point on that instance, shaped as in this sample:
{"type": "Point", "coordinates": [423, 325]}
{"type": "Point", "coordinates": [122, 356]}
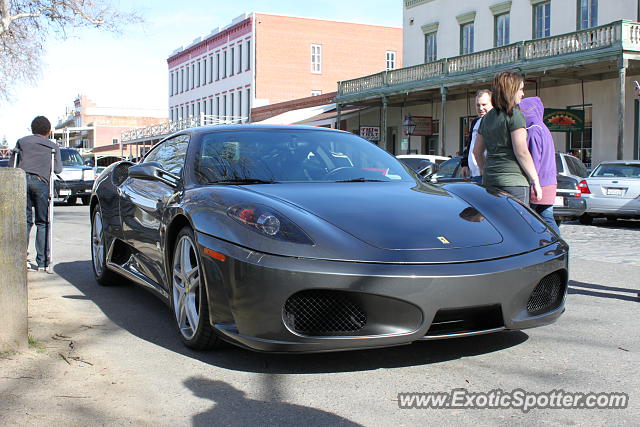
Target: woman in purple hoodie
{"type": "Point", "coordinates": [543, 154]}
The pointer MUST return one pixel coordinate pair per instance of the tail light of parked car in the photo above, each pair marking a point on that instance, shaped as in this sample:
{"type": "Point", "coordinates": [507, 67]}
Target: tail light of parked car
{"type": "Point", "coordinates": [584, 188]}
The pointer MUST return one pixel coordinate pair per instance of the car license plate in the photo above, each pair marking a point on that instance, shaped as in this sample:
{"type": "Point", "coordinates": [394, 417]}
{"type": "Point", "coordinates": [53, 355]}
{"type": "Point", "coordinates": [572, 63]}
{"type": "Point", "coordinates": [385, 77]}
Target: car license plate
{"type": "Point", "coordinates": [615, 191]}
{"type": "Point", "coordinates": [64, 192]}
{"type": "Point", "coordinates": [559, 201]}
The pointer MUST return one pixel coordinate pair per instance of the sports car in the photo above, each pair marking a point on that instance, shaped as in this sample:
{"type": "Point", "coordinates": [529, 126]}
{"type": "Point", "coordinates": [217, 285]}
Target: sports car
{"type": "Point", "coordinates": [303, 239]}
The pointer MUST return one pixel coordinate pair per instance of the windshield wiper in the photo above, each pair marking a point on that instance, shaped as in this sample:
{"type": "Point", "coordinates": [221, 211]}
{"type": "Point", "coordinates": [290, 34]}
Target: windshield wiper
{"type": "Point", "coordinates": [244, 181]}
{"type": "Point", "coordinates": [362, 180]}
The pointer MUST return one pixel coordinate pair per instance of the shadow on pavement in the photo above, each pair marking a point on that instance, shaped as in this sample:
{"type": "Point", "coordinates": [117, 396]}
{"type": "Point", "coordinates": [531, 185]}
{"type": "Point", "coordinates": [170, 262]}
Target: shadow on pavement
{"type": "Point", "coordinates": [594, 290]}
{"type": "Point", "coordinates": [233, 408]}
{"type": "Point", "coordinates": [144, 315]}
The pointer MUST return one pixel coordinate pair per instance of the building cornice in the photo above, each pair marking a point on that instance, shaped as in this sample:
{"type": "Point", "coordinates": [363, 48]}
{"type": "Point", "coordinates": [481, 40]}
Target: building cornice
{"type": "Point", "coordinates": [465, 18]}
{"type": "Point", "coordinates": [430, 28]}
{"type": "Point", "coordinates": [408, 4]}
{"type": "Point", "coordinates": [535, 2]}
{"type": "Point", "coordinates": [500, 8]}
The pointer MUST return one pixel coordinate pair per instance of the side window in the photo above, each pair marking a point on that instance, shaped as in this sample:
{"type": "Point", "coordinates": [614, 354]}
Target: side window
{"type": "Point", "coordinates": [170, 154]}
{"type": "Point", "coordinates": [558, 163]}
{"type": "Point", "coordinates": [576, 167]}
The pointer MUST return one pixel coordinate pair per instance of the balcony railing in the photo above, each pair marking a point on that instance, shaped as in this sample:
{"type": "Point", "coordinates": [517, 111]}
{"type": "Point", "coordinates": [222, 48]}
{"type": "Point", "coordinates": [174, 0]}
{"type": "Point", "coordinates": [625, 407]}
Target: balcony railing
{"type": "Point", "coordinates": [165, 129]}
{"type": "Point", "coordinates": [622, 34]}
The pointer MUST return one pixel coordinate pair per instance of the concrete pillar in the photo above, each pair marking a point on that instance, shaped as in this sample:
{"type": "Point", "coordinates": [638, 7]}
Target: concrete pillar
{"type": "Point", "coordinates": [13, 260]}
{"type": "Point", "coordinates": [622, 77]}
{"type": "Point", "coordinates": [443, 118]}
{"type": "Point", "coordinates": [383, 125]}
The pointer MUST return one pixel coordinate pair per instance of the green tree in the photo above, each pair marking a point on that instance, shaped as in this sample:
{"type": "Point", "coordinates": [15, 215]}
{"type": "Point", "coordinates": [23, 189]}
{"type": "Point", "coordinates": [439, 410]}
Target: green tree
{"type": "Point", "coordinates": [26, 24]}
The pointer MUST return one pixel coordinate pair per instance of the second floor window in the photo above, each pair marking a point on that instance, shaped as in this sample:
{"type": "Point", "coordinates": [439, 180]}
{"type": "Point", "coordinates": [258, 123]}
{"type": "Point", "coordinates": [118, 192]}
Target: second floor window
{"type": "Point", "coordinates": [224, 64]}
{"type": "Point", "coordinates": [430, 47]}
{"type": "Point", "coordinates": [233, 59]}
{"type": "Point", "coordinates": [542, 20]}
{"type": "Point", "coordinates": [316, 58]}
{"type": "Point", "coordinates": [587, 14]}
{"type": "Point", "coordinates": [466, 38]}
{"type": "Point", "coordinates": [391, 60]}
{"type": "Point", "coordinates": [502, 30]}
{"type": "Point", "coordinates": [217, 66]}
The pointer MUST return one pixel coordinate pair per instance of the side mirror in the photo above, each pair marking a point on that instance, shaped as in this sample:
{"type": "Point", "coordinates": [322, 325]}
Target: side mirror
{"type": "Point", "coordinates": [153, 171]}
{"type": "Point", "coordinates": [428, 171]}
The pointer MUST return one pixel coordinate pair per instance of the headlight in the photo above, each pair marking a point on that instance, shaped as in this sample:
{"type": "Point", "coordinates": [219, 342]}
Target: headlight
{"type": "Point", "coordinates": [534, 222]}
{"type": "Point", "coordinates": [88, 175]}
{"type": "Point", "coordinates": [269, 223]}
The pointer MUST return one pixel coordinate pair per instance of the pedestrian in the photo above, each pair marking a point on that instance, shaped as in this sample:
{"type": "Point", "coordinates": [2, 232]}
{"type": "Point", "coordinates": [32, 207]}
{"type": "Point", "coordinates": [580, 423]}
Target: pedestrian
{"type": "Point", "coordinates": [542, 151]}
{"type": "Point", "coordinates": [468, 162]}
{"type": "Point", "coordinates": [34, 157]}
{"type": "Point", "coordinates": [508, 165]}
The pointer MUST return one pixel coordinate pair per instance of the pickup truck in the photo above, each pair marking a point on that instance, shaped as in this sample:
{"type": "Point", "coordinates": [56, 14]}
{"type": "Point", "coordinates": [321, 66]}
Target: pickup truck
{"type": "Point", "coordinates": [76, 179]}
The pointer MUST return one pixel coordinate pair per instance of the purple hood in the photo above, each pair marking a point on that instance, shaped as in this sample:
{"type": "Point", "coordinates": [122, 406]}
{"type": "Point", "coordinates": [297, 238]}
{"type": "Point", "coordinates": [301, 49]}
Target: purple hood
{"type": "Point", "coordinates": [539, 140]}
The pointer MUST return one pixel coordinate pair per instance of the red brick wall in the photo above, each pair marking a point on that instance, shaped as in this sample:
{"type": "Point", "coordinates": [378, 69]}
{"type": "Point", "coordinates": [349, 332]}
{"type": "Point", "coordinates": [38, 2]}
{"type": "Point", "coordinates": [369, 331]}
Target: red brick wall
{"type": "Point", "coordinates": [283, 54]}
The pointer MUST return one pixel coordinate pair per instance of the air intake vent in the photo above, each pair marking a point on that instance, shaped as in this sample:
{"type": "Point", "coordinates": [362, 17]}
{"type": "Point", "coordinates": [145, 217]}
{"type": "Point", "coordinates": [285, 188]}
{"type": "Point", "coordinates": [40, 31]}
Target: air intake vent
{"type": "Point", "coordinates": [323, 313]}
{"type": "Point", "coordinates": [452, 321]}
{"type": "Point", "coordinates": [548, 294]}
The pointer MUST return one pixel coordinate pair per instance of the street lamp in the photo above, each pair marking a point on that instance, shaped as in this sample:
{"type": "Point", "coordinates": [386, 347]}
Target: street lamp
{"type": "Point", "coordinates": [409, 127]}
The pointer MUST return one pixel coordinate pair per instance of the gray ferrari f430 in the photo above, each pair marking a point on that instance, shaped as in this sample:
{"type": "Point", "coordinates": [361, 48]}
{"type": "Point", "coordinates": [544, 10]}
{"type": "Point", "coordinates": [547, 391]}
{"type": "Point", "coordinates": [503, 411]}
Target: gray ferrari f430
{"type": "Point", "coordinates": [300, 239]}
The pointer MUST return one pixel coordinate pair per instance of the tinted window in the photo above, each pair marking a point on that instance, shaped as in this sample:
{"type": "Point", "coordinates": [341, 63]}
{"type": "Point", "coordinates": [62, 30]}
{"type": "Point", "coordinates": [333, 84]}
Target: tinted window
{"type": "Point", "coordinates": [283, 155]}
{"type": "Point", "coordinates": [448, 169]}
{"type": "Point", "coordinates": [558, 163]}
{"type": "Point", "coordinates": [71, 158]}
{"type": "Point", "coordinates": [576, 167]}
{"type": "Point", "coordinates": [170, 154]}
{"type": "Point", "coordinates": [618, 170]}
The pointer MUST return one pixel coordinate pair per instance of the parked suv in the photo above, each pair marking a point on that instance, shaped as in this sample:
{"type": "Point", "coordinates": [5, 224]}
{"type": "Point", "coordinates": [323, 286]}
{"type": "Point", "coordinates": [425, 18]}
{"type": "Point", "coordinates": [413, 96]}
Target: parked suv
{"type": "Point", "coordinates": [75, 181]}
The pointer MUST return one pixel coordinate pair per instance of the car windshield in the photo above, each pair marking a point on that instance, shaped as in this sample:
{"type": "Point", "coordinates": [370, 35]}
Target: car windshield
{"type": "Point", "coordinates": [256, 156]}
{"type": "Point", "coordinates": [617, 170]}
{"type": "Point", "coordinates": [71, 158]}
{"type": "Point", "coordinates": [448, 168]}
{"type": "Point", "coordinates": [415, 163]}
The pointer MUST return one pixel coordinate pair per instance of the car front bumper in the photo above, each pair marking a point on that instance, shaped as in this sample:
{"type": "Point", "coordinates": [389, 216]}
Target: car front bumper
{"type": "Point", "coordinates": [65, 189]}
{"type": "Point", "coordinates": [250, 296]}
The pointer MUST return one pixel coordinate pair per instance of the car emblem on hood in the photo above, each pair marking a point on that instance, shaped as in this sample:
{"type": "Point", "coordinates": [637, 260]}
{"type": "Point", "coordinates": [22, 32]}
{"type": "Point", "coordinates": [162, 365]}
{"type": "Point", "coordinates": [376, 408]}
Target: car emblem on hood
{"type": "Point", "coordinates": [443, 240]}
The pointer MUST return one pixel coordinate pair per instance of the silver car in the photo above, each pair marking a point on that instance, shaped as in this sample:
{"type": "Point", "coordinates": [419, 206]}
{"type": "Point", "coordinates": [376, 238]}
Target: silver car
{"type": "Point", "coordinates": [613, 191]}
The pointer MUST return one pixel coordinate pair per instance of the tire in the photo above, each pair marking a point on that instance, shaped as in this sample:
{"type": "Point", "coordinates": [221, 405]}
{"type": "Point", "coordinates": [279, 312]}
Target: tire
{"type": "Point", "coordinates": [85, 200]}
{"type": "Point", "coordinates": [612, 218]}
{"type": "Point", "coordinates": [71, 200]}
{"type": "Point", "coordinates": [103, 275]}
{"type": "Point", "coordinates": [187, 279]}
{"type": "Point", "coordinates": [585, 219]}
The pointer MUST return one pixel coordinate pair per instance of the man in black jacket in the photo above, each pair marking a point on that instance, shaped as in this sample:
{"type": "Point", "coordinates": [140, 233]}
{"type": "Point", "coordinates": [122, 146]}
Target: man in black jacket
{"type": "Point", "coordinates": [468, 162]}
{"type": "Point", "coordinates": [34, 157]}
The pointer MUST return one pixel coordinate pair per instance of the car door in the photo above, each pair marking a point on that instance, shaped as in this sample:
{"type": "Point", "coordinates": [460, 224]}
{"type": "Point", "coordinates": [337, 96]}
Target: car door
{"type": "Point", "coordinates": [142, 204]}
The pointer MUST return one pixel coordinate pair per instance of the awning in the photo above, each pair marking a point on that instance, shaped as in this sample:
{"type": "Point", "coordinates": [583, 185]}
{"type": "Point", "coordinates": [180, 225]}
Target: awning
{"type": "Point", "coordinates": [329, 117]}
{"type": "Point", "coordinates": [295, 116]}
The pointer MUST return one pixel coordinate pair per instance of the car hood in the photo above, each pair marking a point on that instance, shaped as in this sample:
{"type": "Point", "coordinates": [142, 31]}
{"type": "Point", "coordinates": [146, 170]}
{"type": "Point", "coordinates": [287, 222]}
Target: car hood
{"type": "Point", "coordinates": [393, 216]}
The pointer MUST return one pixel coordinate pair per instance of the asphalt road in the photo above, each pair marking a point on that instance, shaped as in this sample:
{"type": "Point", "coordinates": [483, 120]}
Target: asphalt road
{"type": "Point", "coordinates": [594, 347]}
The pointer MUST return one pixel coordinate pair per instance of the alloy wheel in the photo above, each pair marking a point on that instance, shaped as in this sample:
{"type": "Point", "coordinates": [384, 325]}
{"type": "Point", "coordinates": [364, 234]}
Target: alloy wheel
{"type": "Point", "coordinates": [97, 244]}
{"type": "Point", "coordinates": [186, 287]}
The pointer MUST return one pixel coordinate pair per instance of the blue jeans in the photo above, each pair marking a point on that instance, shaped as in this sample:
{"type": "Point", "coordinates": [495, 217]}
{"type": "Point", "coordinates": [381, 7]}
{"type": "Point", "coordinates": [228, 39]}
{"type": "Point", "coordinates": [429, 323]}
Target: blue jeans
{"type": "Point", "coordinates": [546, 212]}
{"type": "Point", "coordinates": [38, 201]}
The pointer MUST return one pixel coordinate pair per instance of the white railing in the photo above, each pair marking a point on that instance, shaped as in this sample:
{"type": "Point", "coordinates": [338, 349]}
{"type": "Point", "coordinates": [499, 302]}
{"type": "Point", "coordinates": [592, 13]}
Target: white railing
{"type": "Point", "coordinates": [622, 34]}
{"type": "Point", "coordinates": [165, 129]}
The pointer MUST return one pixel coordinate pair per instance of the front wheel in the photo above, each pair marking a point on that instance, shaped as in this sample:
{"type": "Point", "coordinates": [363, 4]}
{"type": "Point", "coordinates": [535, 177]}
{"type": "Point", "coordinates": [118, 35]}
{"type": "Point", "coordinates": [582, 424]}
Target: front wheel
{"type": "Point", "coordinates": [189, 294]}
{"type": "Point", "coordinates": [103, 275]}
{"type": "Point", "coordinates": [71, 200]}
{"type": "Point", "coordinates": [86, 200]}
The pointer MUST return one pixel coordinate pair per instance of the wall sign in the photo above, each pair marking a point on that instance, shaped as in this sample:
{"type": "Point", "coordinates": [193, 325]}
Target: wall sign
{"type": "Point", "coordinates": [424, 126]}
{"type": "Point", "coordinates": [370, 133]}
{"type": "Point", "coordinates": [563, 120]}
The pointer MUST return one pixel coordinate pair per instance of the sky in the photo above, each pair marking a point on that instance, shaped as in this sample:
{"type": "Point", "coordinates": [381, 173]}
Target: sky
{"type": "Point", "coordinates": [130, 69]}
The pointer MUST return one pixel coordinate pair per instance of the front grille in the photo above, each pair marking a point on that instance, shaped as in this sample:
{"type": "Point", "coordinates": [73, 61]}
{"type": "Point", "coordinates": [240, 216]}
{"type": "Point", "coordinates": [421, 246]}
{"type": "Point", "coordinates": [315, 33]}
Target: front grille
{"type": "Point", "coordinates": [465, 320]}
{"type": "Point", "coordinates": [547, 295]}
{"type": "Point", "coordinates": [323, 313]}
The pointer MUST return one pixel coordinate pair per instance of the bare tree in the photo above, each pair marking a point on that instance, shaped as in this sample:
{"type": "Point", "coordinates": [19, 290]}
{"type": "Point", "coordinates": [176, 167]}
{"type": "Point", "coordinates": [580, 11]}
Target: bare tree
{"type": "Point", "coordinates": [26, 24]}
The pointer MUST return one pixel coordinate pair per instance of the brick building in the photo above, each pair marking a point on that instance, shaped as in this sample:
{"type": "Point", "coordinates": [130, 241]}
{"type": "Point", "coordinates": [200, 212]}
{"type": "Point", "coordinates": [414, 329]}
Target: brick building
{"type": "Point", "coordinates": [95, 130]}
{"type": "Point", "coordinates": [261, 59]}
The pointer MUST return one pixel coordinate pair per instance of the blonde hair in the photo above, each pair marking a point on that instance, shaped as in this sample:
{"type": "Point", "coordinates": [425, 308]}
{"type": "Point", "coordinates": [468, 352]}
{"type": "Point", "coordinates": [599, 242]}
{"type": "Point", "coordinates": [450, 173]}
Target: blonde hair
{"type": "Point", "coordinates": [503, 91]}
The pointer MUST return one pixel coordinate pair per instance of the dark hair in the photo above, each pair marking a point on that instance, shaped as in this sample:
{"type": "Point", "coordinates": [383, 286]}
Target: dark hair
{"type": "Point", "coordinates": [41, 126]}
{"type": "Point", "coordinates": [503, 91]}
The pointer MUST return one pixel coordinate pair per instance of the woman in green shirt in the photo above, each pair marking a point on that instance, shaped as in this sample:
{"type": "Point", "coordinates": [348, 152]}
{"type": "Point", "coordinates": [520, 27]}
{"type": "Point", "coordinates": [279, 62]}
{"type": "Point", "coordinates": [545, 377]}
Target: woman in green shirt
{"type": "Point", "coordinates": [508, 165]}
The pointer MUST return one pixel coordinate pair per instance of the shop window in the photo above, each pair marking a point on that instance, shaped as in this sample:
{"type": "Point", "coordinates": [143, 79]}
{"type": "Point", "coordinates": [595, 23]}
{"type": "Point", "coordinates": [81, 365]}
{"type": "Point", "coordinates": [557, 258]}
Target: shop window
{"type": "Point", "coordinates": [579, 144]}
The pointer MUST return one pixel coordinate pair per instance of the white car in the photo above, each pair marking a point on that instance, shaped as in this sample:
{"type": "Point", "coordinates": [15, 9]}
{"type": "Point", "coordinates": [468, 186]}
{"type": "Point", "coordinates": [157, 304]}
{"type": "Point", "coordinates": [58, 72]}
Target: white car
{"type": "Point", "coordinates": [612, 190]}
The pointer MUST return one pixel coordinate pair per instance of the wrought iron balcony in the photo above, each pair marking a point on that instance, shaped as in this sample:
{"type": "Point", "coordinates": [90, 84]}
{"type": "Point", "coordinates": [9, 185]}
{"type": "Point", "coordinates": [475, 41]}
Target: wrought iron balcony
{"type": "Point", "coordinates": [616, 37]}
{"type": "Point", "coordinates": [165, 129]}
